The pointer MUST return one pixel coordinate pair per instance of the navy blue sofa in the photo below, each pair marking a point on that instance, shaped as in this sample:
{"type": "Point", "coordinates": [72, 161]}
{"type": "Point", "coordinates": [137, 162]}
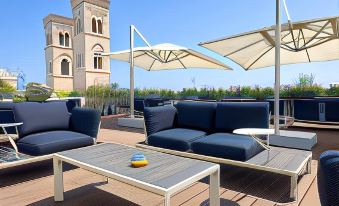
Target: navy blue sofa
{"type": "Point", "coordinates": [49, 127]}
{"type": "Point", "coordinates": [206, 128]}
{"type": "Point", "coordinates": [328, 178]}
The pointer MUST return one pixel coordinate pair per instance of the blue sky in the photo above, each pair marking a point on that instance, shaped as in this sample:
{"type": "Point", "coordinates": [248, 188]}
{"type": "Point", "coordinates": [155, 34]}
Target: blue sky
{"type": "Point", "coordinates": [180, 22]}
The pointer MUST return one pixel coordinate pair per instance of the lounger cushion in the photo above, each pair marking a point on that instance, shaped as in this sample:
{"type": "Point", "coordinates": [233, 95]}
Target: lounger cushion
{"type": "Point", "coordinates": [177, 139]}
{"type": "Point", "coordinates": [40, 117]}
{"type": "Point", "coordinates": [159, 118]}
{"type": "Point", "coordinates": [196, 115]}
{"type": "Point", "coordinates": [228, 146]}
{"type": "Point", "coordinates": [51, 142]}
{"type": "Point", "coordinates": [233, 115]}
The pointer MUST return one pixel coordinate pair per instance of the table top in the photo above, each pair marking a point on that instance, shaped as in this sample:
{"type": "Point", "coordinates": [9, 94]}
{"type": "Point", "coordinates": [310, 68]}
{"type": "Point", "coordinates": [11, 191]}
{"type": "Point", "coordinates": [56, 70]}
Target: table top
{"type": "Point", "coordinates": [11, 124]}
{"type": "Point", "coordinates": [163, 170]}
{"type": "Point", "coordinates": [254, 131]}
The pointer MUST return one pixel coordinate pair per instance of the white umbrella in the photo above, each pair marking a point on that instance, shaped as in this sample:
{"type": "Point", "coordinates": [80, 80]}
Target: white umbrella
{"type": "Point", "coordinates": [168, 56]}
{"type": "Point", "coordinates": [164, 57]}
{"type": "Point", "coordinates": [307, 41]}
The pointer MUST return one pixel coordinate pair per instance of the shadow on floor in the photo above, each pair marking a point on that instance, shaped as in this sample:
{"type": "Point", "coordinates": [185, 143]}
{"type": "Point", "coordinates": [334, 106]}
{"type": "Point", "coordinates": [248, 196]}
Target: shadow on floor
{"type": "Point", "coordinates": [87, 195]}
{"type": "Point", "coordinates": [265, 185]}
{"type": "Point", "coordinates": [24, 173]}
{"type": "Point", "coordinates": [223, 202]}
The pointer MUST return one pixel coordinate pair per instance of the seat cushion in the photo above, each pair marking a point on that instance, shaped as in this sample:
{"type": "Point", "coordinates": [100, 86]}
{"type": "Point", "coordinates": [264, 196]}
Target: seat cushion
{"type": "Point", "coordinates": [196, 115]}
{"type": "Point", "coordinates": [41, 117]}
{"type": "Point", "coordinates": [159, 118]}
{"type": "Point", "coordinates": [228, 146]}
{"type": "Point", "coordinates": [176, 139]}
{"type": "Point", "coordinates": [236, 115]}
{"type": "Point", "coordinates": [51, 142]}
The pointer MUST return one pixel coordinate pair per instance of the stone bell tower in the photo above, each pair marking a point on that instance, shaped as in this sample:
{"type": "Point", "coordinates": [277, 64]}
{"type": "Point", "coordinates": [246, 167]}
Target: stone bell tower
{"type": "Point", "coordinates": [91, 36]}
{"type": "Point", "coordinates": [59, 52]}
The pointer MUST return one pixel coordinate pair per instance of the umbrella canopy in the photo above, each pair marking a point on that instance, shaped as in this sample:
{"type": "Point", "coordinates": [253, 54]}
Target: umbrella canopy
{"type": "Point", "coordinates": [305, 41]}
{"type": "Point", "coordinates": [168, 56]}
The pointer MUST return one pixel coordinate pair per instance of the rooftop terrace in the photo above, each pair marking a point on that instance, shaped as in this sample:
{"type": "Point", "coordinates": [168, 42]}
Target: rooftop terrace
{"type": "Point", "coordinates": [33, 184]}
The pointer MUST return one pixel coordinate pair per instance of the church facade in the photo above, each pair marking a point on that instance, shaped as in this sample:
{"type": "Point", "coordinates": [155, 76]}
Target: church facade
{"type": "Point", "coordinates": [73, 46]}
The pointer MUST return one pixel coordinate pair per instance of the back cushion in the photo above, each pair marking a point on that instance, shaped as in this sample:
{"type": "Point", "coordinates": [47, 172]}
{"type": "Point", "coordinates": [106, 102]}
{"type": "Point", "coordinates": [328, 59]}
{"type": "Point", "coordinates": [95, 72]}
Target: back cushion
{"type": "Point", "coordinates": [39, 117]}
{"type": "Point", "coordinates": [159, 118]}
{"type": "Point", "coordinates": [196, 115]}
{"type": "Point", "coordinates": [236, 115]}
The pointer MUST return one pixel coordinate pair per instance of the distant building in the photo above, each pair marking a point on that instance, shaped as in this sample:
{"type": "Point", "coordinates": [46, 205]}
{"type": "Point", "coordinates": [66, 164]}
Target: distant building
{"type": "Point", "coordinates": [334, 84]}
{"type": "Point", "coordinates": [72, 44]}
{"type": "Point", "coordinates": [9, 77]}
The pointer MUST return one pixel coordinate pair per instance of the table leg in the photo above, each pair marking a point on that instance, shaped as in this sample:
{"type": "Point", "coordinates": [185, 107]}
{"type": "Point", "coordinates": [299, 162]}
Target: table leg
{"type": "Point", "coordinates": [10, 140]}
{"type": "Point", "coordinates": [58, 180]}
{"type": "Point", "coordinates": [294, 187]}
{"type": "Point", "coordinates": [214, 188]}
{"type": "Point", "coordinates": [167, 200]}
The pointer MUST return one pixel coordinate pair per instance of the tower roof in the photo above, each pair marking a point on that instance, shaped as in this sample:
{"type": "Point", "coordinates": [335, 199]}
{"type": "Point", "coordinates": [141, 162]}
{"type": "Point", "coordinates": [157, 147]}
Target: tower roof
{"type": "Point", "coordinates": [58, 19]}
{"type": "Point", "coordinates": [100, 3]}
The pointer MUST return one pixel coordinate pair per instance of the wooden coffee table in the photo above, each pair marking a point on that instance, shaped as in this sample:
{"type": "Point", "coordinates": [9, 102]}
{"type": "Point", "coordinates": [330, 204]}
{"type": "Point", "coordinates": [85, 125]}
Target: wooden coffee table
{"type": "Point", "coordinates": [164, 175]}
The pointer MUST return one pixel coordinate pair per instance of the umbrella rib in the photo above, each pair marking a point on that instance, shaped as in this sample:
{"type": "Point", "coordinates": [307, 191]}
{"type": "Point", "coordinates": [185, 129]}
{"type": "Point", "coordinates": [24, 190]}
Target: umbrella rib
{"type": "Point", "coordinates": [154, 56]}
{"type": "Point", "coordinates": [168, 56]}
{"type": "Point", "coordinates": [322, 28]}
{"type": "Point", "coordinates": [308, 56]}
{"type": "Point", "coordinates": [307, 27]}
{"type": "Point", "coordinates": [176, 58]}
{"type": "Point", "coordinates": [260, 57]}
{"type": "Point", "coordinates": [179, 60]}
{"type": "Point", "coordinates": [151, 65]}
{"type": "Point", "coordinates": [140, 55]}
{"type": "Point", "coordinates": [233, 52]}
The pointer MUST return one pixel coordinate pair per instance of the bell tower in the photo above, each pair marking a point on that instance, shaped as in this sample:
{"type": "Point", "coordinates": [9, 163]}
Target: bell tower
{"type": "Point", "coordinates": [91, 36]}
{"type": "Point", "coordinates": [58, 52]}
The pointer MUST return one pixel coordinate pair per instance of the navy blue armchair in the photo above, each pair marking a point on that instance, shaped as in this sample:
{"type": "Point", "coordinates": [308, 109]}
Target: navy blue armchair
{"type": "Point", "coordinates": [328, 182]}
{"type": "Point", "coordinates": [49, 127]}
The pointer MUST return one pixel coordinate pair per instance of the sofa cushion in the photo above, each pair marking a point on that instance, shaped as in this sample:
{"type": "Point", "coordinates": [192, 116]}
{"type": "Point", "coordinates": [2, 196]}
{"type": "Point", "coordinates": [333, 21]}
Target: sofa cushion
{"type": "Point", "coordinates": [228, 146]}
{"type": "Point", "coordinates": [196, 115]}
{"type": "Point", "coordinates": [176, 139]}
{"type": "Point", "coordinates": [51, 142]}
{"type": "Point", "coordinates": [85, 121]}
{"type": "Point", "coordinates": [39, 117]}
{"type": "Point", "coordinates": [159, 118]}
{"type": "Point", "coordinates": [235, 115]}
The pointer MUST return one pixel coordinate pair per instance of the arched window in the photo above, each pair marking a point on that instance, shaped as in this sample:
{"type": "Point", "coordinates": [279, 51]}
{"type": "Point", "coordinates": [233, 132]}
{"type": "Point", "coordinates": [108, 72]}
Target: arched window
{"type": "Point", "coordinates": [97, 61]}
{"type": "Point", "coordinates": [66, 39]}
{"type": "Point", "coordinates": [78, 27]}
{"type": "Point", "coordinates": [61, 39]}
{"type": "Point", "coordinates": [94, 25]}
{"type": "Point", "coordinates": [64, 67]}
{"type": "Point", "coordinates": [99, 26]}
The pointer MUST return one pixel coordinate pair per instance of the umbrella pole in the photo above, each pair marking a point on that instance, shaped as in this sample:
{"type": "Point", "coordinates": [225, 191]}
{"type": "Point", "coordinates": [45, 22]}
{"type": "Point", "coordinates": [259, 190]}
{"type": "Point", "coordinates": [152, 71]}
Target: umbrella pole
{"type": "Point", "coordinates": [131, 86]}
{"type": "Point", "coordinates": [277, 69]}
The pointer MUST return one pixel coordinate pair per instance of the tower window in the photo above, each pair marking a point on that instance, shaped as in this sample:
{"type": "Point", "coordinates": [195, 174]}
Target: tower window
{"type": "Point", "coordinates": [94, 25]}
{"type": "Point", "coordinates": [97, 62]}
{"type": "Point", "coordinates": [99, 26]}
{"type": "Point", "coordinates": [66, 39]}
{"type": "Point", "coordinates": [61, 39]}
{"type": "Point", "coordinates": [78, 27]}
{"type": "Point", "coordinates": [64, 67]}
